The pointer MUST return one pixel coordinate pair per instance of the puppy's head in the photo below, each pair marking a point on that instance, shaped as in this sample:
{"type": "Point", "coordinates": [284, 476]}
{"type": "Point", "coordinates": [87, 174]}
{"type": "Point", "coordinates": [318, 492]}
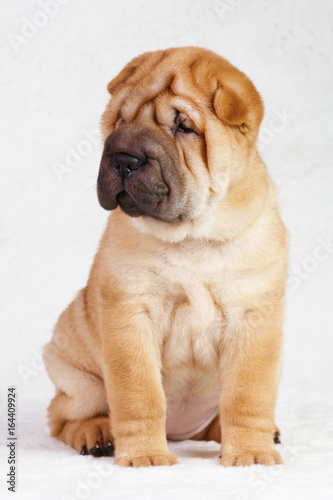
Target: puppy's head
{"type": "Point", "coordinates": [179, 129]}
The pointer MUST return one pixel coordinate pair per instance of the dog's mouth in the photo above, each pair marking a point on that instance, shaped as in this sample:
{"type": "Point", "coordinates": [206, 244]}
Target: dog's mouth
{"type": "Point", "coordinates": [128, 205]}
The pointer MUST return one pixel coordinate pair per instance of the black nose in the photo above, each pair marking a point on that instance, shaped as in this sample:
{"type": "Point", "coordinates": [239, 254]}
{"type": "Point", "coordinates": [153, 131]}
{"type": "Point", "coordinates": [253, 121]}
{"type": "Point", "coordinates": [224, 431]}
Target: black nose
{"type": "Point", "coordinates": [125, 164]}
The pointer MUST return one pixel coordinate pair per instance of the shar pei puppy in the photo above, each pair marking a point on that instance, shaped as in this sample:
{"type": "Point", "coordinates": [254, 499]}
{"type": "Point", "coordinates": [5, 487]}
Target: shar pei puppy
{"type": "Point", "coordinates": [177, 334]}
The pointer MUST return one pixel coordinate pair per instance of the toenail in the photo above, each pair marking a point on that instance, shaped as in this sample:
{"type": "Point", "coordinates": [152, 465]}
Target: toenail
{"type": "Point", "coordinates": [84, 450]}
{"type": "Point", "coordinates": [96, 450]}
{"type": "Point", "coordinates": [109, 450]}
{"type": "Point", "coordinates": [277, 439]}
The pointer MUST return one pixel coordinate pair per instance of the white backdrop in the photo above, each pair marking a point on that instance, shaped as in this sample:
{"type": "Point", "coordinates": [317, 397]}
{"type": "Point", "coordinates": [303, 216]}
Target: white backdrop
{"type": "Point", "coordinates": [56, 60]}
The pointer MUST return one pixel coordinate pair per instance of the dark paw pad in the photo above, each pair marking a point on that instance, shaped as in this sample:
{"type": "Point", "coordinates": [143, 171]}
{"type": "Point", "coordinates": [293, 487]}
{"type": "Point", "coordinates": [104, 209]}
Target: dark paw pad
{"type": "Point", "coordinates": [277, 439]}
{"type": "Point", "coordinates": [109, 449]}
{"type": "Point", "coordinates": [84, 450]}
{"type": "Point", "coordinates": [96, 450]}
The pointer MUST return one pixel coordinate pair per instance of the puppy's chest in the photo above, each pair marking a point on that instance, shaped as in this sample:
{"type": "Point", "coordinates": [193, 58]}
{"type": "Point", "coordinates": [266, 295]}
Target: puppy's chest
{"type": "Point", "coordinates": [191, 326]}
{"type": "Point", "coordinates": [190, 321]}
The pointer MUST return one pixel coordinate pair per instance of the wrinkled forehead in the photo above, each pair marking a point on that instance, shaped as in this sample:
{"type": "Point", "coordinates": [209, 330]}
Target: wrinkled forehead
{"type": "Point", "coordinates": [161, 80]}
{"type": "Point", "coordinates": [165, 107]}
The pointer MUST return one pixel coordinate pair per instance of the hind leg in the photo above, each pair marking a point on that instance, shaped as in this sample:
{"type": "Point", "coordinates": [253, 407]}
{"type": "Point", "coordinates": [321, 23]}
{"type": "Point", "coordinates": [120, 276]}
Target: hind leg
{"type": "Point", "coordinates": [87, 436]}
{"type": "Point", "coordinates": [78, 414]}
{"type": "Point", "coordinates": [211, 433]}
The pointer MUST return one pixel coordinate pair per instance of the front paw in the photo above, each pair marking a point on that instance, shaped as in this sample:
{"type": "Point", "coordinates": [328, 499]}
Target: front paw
{"type": "Point", "coordinates": [146, 460]}
{"type": "Point", "coordinates": [249, 457]}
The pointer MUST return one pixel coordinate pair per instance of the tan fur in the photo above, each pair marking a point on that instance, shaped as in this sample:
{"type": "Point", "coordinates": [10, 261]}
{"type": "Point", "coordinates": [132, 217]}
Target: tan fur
{"type": "Point", "coordinates": [192, 306]}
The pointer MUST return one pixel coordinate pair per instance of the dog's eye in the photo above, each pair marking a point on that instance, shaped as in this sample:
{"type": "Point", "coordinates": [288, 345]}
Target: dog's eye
{"type": "Point", "coordinates": [184, 129]}
{"type": "Point", "coordinates": [180, 124]}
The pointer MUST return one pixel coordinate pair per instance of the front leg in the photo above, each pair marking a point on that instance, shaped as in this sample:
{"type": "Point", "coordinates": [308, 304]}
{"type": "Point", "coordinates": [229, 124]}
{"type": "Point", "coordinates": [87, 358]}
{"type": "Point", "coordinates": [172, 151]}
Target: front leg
{"type": "Point", "coordinates": [250, 375]}
{"type": "Point", "coordinates": [134, 387]}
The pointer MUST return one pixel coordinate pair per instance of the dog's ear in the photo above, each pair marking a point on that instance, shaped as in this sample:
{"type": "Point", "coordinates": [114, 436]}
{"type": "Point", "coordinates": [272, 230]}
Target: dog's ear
{"type": "Point", "coordinates": [126, 73]}
{"type": "Point", "coordinates": [237, 103]}
{"type": "Point", "coordinates": [137, 65]}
